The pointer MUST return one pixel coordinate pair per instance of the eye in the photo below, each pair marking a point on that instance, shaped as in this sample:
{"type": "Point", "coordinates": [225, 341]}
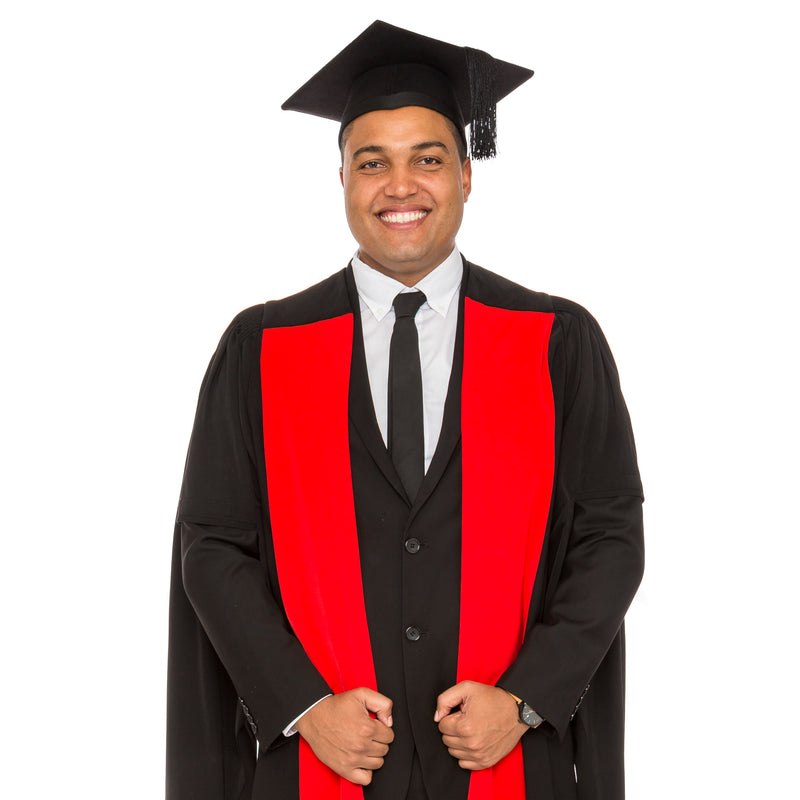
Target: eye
{"type": "Point", "coordinates": [429, 161]}
{"type": "Point", "coordinates": [371, 165]}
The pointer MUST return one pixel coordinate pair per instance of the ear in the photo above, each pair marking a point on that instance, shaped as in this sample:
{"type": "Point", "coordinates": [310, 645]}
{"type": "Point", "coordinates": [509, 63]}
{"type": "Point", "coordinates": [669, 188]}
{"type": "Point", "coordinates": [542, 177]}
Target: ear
{"type": "Point", "coordinates": [466, 178]}
{"type": "Point", "coordinates": [341, 175]}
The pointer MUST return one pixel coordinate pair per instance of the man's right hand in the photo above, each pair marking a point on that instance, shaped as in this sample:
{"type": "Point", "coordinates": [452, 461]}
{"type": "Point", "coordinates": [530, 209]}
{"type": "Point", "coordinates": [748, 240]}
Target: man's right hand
{"type": "Point", "coordinates": [343, 736]}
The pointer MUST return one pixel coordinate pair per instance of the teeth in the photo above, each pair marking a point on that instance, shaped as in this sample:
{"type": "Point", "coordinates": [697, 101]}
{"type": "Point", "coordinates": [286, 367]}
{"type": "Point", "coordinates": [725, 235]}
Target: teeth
{"type": "Point", "coordinates": [406, 216]}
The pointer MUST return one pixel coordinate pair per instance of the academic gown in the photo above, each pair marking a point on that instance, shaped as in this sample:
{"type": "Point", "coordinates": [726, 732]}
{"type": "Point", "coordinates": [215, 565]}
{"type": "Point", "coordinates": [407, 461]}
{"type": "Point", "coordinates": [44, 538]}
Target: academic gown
{"type": "Point", "coordinates": [238, 674]}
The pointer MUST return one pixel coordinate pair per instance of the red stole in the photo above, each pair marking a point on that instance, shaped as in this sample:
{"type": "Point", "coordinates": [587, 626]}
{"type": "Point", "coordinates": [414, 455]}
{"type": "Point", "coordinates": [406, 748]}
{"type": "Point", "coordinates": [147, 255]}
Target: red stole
{"type": "Point", "coordinates": [507, 482]}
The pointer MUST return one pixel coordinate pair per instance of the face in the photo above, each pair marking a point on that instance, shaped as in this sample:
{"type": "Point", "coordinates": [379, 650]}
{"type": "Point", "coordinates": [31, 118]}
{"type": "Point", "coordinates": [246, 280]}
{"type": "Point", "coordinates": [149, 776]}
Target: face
{"type": "Point", "coordinates": [404, 190]}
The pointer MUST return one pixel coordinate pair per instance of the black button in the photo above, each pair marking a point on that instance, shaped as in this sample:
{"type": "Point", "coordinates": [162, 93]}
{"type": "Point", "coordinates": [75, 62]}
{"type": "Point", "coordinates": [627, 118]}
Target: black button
{"type": "Point", "coordinates": [412, 545]}
{"type": "Point", "coordinates": [413, 633]}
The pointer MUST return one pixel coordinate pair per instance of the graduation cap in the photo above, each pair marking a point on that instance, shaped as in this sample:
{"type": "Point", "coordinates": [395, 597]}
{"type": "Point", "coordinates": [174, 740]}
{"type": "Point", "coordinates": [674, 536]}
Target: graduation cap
{"type": "Point", "coordinates": [387, 67]}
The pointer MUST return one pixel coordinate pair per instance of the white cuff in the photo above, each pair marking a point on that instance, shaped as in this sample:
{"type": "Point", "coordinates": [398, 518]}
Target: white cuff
{"type": "Point", "coordinates": [290, 730]}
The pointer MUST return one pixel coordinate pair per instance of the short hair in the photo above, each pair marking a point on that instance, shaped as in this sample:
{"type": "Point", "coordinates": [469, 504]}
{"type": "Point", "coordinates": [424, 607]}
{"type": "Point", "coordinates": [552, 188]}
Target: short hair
{"type": "Point", "coordinates": [460, 139]}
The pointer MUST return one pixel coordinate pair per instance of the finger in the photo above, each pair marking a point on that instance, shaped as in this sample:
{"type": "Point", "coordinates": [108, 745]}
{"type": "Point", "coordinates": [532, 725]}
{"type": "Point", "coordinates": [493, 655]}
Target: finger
{"type": "Point", "coordinates": [450, 725]}
{"type": "Point", "coordinates": [372, 764]}
{"type": "Point", "coordinates": [382, 734]}
{"type": "Point", "coordinates": [465, 760]}
{"type": "Point", "coordinates": [375, 750]}
{"type": "Point", "coordinates": [448, 700]}
{"type": "Point", "coordinates": [459, 748]}
{"type": "Point", "coordinates": [451, 742]}
{"type": "Point", "coordinates": [362, 777]}
{"type": "Point", "coordinates": [377, 703]}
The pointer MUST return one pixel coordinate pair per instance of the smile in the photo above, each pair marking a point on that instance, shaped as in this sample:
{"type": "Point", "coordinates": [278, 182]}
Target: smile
{"type": "Point", "coordinates": [405, 216]}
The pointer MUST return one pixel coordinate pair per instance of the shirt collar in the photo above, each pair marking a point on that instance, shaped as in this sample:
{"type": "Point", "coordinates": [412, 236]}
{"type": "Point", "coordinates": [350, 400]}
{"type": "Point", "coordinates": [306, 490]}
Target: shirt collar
{"type": "Point", "coordinates": [377, 291]}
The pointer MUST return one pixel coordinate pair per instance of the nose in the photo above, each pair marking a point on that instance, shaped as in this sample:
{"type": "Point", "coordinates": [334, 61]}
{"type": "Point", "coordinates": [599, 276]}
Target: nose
{"type": "Point", "coordinates": [400, 182]}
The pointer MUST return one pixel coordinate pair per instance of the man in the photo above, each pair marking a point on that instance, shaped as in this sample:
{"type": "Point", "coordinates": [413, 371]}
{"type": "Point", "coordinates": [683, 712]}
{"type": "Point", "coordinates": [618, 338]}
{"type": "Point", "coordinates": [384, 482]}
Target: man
{"type": "Point", "coordinates": [410, 523]}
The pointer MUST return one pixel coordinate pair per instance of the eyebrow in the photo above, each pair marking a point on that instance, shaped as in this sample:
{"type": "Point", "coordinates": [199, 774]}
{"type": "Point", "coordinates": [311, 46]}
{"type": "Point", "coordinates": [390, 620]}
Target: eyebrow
{"type": "Point", "coordinates": [428, 145]}
{"type": "Point", "coordinates": [376, 148]}
{"type": "Point", "coordinates": [372, 148]}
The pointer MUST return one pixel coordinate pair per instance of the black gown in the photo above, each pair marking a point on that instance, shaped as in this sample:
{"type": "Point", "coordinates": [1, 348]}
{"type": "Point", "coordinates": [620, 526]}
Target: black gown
{"type": "Point", "coordinates": [237, 673]}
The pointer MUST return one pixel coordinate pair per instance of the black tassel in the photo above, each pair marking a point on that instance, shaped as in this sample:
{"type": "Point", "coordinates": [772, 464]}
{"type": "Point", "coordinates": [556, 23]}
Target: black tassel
{"type": "Point", "coordinates": [482, 71]}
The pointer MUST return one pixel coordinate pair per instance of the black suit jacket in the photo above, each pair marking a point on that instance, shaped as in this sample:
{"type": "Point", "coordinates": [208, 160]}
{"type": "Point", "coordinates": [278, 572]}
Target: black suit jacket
{"type": "Point", "coordinates": [237, 672]}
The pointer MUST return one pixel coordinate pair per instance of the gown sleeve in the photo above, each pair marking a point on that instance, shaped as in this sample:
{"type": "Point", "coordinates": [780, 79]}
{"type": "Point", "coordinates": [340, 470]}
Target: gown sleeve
{"type": "Point", "coordinates": [595, 555]}
{"type": "Point", "coordinates": [236, 671]}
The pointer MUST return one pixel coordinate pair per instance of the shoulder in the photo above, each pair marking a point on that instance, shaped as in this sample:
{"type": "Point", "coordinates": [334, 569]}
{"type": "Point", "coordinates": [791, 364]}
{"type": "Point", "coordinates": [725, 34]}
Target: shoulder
{"type": "Point", "coordinates": [576, 322]}
{"type": "Point", "coordinates": [574, 330]}
{"type": "Point", "coordinates": [492, 289]}
{"type": "Point", "coordinates": [324, 300]}
{"type": "Point", "coordinates": [327, 299]}
{"type": "Point", "coordinates": [247, 322]}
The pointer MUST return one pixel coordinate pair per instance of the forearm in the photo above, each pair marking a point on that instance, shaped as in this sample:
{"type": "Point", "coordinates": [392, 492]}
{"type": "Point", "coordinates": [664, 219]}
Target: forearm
{"type": "Point", "coordinates": [601, 572]}
{"type": "Point", "coordinates": [225, 584]}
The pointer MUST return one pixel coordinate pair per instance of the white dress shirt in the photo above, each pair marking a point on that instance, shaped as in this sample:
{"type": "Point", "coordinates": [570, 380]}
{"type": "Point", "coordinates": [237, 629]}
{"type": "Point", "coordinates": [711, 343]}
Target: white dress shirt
{"type": "Point", "coordinates": [436, 328]}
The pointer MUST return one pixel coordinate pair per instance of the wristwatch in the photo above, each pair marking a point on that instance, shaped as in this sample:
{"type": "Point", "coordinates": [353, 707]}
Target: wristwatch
{"type": "Point", "coordinates": [526, 714]}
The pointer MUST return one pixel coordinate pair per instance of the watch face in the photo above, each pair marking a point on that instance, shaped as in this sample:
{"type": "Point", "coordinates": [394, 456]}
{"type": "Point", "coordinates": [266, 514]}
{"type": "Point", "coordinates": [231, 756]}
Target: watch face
{"type": "Point", "coordinates": [529, 716]}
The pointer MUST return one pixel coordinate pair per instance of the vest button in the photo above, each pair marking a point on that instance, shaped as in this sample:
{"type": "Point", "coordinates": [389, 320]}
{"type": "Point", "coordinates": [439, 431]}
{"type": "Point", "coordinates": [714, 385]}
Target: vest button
{"type": "Point", "coordinates": [413, 633]}
{"type": "Point", "coordinates": [412, 545]}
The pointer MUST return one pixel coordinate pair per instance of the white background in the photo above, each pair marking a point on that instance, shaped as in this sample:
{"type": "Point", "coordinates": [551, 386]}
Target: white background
{"type": "Point", "coordinates": [150, 188]}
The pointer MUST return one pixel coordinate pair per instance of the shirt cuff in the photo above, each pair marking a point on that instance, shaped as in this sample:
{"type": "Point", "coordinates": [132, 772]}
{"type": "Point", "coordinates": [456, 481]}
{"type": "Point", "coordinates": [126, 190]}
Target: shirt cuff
{"type": "Point", "coordinates": [290, 730]}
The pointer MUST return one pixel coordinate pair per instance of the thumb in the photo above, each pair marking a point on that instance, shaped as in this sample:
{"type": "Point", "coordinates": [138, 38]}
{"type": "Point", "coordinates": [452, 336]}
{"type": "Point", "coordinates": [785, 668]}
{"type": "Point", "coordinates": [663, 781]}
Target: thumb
{"type": "Point", "coordinates": [377, 703]}
{"type": "Point", "coordinates": [449, 699]}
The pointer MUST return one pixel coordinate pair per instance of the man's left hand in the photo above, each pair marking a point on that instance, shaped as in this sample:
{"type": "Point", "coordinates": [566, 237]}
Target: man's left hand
{"type": "Point", "coordinates": [485, 729]}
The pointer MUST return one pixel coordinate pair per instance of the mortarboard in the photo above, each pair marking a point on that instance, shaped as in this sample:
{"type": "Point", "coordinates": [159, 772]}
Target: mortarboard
{"type": "Point", "coordinates": [387, 67]}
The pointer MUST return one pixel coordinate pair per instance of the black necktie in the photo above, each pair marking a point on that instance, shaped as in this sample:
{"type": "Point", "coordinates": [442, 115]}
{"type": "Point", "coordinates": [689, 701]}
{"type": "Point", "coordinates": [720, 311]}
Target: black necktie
{"type": "Point", "coordinates": [406, 431]}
